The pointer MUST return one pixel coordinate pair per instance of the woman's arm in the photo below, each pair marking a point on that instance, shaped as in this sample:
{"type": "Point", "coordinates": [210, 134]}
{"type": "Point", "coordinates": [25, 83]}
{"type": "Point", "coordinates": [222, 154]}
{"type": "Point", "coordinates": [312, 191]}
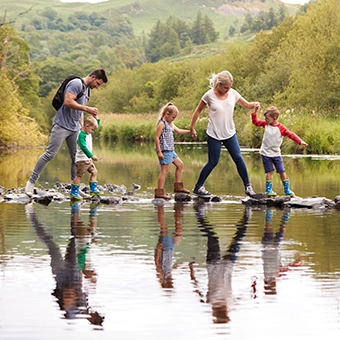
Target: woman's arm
{"type": "Point", "coordinates": [195, 116]}
{"type": "Point", "coordinates": [246, 104]}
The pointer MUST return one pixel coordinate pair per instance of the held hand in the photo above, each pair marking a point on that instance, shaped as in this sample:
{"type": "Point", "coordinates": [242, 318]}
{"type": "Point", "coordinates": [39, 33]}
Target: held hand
{"type": "Point", "coordinates": [193, 133]}
{"type": "Point", "coordinates": [93, 111]}
{"type": "Point", "coordinates": [257, 107]}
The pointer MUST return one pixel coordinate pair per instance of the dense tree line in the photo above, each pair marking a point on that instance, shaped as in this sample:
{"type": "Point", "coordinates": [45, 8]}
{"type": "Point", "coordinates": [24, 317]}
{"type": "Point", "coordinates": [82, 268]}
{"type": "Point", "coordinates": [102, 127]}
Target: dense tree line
{"type": "Point", "coordinates": [295, 65]}
{"type": "Point", "coordinates": [263, 20]}
{"type": "Point", "coordinates": [18, 91]}
{"type": "Point", "coordinates": [167, 39]}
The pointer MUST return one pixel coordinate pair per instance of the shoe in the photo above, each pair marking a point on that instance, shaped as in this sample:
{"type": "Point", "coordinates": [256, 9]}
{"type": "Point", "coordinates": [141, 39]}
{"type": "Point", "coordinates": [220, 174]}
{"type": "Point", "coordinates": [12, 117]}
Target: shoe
{"type": "Point", "coordinates": [74, 194]}
{"type": "Point", "coordinates": [94, 189]}
{"type": "Point", "coordinates": [201, 192]}
{"type": "Point", "coordinates": [249, 191]}
{"type": "Point", "coordinates": [29, 189]}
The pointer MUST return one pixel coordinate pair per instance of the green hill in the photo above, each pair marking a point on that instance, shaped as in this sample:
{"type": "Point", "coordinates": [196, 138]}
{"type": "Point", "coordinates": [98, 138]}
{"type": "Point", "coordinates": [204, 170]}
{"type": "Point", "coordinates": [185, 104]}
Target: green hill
{"type": "Point", "coordinates": [144, 14]}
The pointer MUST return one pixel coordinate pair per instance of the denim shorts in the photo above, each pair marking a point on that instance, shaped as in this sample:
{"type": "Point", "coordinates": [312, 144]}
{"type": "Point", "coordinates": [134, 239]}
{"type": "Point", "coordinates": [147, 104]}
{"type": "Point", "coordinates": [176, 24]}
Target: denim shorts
{"type": "Point", "coordinates": [270, 162]}
{"type": "Point", "coordinates": [169, 157]}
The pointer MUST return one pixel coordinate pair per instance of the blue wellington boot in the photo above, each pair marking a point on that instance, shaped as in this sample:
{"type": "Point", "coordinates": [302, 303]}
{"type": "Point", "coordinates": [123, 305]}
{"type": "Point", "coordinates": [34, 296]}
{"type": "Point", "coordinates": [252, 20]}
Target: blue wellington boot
{"type": "Point", "coordinates": [74, 194]}
{"type": "Point", "coordinates": [269, 189]}
{"type": "Point", "coordinates": [94, 189]}
{"type": "Point", "coordinates": [287, 190]}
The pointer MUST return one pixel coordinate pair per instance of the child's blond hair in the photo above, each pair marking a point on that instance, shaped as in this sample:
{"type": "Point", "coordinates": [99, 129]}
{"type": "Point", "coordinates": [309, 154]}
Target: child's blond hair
{"type": "Point", "coordinates": [167, 108]}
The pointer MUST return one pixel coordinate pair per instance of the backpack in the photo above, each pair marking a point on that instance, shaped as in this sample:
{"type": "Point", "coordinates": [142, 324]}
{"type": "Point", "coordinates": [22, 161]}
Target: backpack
{"type": "Point", "coordinates": [58, 98]}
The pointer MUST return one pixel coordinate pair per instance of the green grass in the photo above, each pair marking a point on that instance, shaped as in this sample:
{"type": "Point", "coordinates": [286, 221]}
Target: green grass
{"type": "Point", "coordinates": [321, 134]}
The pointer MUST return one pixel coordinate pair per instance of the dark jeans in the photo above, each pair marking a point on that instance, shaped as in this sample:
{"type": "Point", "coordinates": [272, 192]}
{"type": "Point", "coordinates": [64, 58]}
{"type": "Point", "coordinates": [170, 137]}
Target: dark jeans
{"type": "Point", "coordinates": [214, 152]}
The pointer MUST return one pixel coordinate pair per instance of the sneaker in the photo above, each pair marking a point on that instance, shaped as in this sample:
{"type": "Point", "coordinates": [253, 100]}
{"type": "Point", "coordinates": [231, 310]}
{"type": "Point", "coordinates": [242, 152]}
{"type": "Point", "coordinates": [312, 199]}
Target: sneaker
{"type": "Point", "coordinates": [29, 189]}
{"type": "Point", "coordinates": [201, 192]}
{"type": "Point", "coordinates": [249, 191]}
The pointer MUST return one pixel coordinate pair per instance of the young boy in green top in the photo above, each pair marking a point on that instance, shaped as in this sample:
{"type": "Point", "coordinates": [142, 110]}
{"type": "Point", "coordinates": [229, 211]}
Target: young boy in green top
{"type": "Point", "coordinates": [85, 157]}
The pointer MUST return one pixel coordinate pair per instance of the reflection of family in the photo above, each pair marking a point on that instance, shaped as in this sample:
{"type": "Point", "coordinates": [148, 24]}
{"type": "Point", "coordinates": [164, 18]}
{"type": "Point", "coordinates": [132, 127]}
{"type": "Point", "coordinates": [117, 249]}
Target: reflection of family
{"type": "Point", "coordinates": [220, 101]}
{"type": "Point", "coordinates": [72, 272]}
{"type": "Point", "coordinates": [220, 264]}
{"type": "Point", "coordinates": [167, 241]}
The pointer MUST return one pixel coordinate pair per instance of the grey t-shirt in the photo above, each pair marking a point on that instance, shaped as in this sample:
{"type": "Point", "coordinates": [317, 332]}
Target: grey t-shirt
{"type": "Point", "coordinates": [69, 118]}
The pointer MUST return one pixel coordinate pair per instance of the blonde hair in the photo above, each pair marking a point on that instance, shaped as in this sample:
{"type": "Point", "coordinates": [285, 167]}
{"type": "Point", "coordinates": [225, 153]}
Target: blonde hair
{"type": "Point", "coordinates": [167, 108]}
{"type": "Point", "coordinates": [272, 111]}
{"type": "Point", "coordinates": [222, 78]}
{"type": "Point", "coordinates": [90, 121]}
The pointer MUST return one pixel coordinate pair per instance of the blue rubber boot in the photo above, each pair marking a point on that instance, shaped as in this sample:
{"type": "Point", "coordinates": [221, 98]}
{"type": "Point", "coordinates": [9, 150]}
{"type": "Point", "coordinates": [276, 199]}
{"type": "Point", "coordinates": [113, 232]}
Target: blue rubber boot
{"type": "Point", "coordinates": [75, 207]}
{"type": "Point", "coordinates": [287, 190]}
{"type": "Point", "coordinates": [74, 194]}
{"type": "Point", "coordinates": [269, 189]}
{"type": "Point", "coordinates": [94, 189]}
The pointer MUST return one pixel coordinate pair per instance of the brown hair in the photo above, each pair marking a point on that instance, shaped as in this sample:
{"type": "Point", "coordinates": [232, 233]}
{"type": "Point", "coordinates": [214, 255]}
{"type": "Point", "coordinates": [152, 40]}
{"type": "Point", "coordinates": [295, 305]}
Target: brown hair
{"type": "Point", "coordinates": [99, 73]}
{"type": "Point", "coordinates": [272, 111]}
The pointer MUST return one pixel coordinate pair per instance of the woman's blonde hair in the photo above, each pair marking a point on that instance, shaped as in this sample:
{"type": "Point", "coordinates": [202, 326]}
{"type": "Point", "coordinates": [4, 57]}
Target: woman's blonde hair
{"type": "Point", "coordinates": [222, 78]}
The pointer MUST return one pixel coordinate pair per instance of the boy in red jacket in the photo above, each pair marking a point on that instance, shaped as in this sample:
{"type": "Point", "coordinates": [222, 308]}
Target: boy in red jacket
{"type": "Point", "coordinates": [271, 147]}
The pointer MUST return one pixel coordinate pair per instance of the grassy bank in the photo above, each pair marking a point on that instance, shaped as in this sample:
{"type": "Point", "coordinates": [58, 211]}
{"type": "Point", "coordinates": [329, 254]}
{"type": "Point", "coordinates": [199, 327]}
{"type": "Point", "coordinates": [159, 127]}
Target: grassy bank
{"type": "Point", "coordinates": [322, 134]}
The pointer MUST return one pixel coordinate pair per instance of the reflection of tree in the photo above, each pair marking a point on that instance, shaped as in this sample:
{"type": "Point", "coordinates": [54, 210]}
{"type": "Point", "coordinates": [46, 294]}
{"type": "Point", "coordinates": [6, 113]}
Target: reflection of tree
{"type": "Point", "coordinates": [69, 271]}
{"type": "Point", "coordinates": [166, 244]}
{"type": "Point", "coordinates": [220, 266]}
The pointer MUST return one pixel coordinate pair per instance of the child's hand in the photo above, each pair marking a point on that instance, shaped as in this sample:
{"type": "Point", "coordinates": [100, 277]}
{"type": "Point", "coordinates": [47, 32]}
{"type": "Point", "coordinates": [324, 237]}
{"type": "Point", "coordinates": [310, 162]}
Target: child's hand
{"type": "Point", "coordinates": [257, 107]}
{"type": "Point", "coordinates": [304, 144]}
{"type": "Point", "coordinates": [95, 158]}
{"type": "Point", "coordinates": [193, 133]}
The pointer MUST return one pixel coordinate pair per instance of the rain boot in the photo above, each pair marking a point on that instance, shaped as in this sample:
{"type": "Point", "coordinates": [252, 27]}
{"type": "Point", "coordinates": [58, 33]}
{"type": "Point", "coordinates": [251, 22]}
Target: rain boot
{"type": "Point", "coordinates": [74, 194]}
{"type": "Point", "coordinates": [159, 193]}
{"type": "Point", "coordinates": [269, 189]}
{"type": "Point", "coordinates": [286, 188]}
{"type": "Point", "coordinates": [94, 189]}
{"type": "Point", "coordinates": [179, 187]}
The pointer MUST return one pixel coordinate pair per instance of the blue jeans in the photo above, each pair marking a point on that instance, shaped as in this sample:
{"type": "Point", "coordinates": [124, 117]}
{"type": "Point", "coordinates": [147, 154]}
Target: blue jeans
{"type": "Point", "coordinates": [214, 152]}
{"type": "Point", "coordinates": [57, 136]}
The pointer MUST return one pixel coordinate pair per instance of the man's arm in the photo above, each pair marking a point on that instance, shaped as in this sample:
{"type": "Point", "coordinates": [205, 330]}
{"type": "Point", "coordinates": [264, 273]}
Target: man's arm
{"type": "Point", "coordinates": [70, 101]}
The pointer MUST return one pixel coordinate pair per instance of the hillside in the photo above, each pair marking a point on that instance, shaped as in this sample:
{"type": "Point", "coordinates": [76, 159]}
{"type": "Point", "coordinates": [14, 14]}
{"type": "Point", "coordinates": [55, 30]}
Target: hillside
{"type": "Point", "coordinates": [144, 14]}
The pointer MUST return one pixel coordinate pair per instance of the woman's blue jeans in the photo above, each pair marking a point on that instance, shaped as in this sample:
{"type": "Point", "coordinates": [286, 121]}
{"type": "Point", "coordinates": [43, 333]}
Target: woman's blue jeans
{"type": "Point", "coordinates": [214, 152]}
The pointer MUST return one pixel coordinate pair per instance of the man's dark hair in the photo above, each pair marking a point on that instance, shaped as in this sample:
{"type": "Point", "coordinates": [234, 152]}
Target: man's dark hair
{"type": "Point", "coordinates": [99, 73]}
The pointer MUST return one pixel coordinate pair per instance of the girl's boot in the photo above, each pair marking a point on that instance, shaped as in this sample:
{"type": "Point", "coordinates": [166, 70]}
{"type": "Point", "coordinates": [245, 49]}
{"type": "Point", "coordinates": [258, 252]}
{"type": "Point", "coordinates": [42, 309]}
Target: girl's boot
{"type": "Point", "coordinates": [94, 189]}
{"type": "Point", "coordinates": [179, 187]}
{"type": "Point", "coordinates": [74, 194]}
{"type": "Point", "coordinates": [269, 189]}
{"type": "Point", "coordinates": [159, 193]}
{"type": "Point", "coordinates": [286, 188]}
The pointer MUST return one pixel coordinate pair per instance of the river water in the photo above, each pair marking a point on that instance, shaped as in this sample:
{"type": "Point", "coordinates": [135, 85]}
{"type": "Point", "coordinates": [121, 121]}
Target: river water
{"type": "Point", "coordinates": [139, 270]}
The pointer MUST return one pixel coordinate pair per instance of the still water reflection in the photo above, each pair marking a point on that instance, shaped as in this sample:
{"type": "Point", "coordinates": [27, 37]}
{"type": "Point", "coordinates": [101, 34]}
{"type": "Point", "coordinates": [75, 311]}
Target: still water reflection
{"type": "Point", "coordinates": [142, 271]}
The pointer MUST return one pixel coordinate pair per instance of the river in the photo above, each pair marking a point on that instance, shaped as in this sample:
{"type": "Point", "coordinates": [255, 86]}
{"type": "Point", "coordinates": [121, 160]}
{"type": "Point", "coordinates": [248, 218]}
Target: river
{"type": "Point", "coordinates": [139, 270]}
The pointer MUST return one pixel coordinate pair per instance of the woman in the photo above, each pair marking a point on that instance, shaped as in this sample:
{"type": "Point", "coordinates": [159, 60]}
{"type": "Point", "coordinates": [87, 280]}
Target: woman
{"type": "Point", "coordinates": [220, 100]}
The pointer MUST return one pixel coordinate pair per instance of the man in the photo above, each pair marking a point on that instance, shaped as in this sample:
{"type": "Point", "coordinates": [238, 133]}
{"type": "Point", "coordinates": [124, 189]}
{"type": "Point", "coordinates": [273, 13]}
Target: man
{"type": "Point", "coordinates": [67, 123]}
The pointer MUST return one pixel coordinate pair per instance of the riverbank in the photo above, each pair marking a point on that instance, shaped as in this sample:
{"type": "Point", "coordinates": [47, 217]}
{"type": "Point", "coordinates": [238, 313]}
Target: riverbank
{"type": "Point", "coordinates": [322, 134]}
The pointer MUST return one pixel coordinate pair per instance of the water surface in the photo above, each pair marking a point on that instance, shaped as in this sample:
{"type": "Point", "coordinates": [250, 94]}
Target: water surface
{"type": "Point", "coordinates": [175, 271]}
